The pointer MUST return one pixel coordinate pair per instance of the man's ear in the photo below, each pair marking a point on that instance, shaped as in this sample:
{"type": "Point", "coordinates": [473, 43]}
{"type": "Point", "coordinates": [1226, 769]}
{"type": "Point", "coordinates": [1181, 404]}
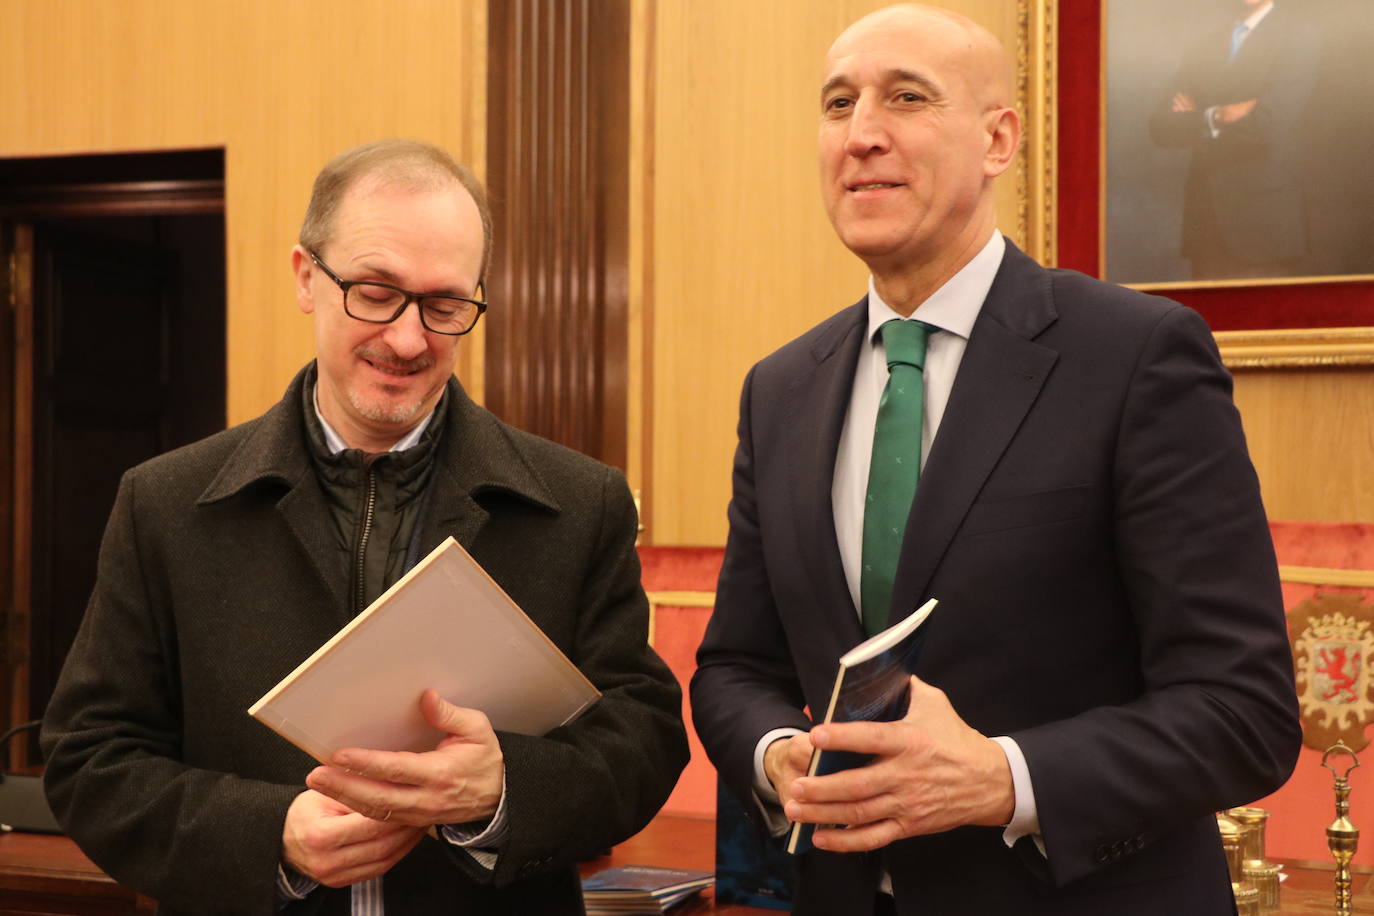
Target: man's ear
{"type": "Point", "coordinates": [304, 270]}
{"type": "Point", "coordinates": [1004, 138]}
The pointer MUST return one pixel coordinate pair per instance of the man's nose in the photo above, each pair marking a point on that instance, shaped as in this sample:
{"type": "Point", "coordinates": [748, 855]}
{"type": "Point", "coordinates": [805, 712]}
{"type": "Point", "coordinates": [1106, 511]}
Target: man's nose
{"type": "Point", "coordinates": [406, 335]}
{"type": "Point", "coordinates": [867, 129]}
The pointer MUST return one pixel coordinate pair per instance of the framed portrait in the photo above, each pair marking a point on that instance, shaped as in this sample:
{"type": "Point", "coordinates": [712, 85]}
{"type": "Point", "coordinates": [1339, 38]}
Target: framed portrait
{"type": "Point", "coordinates": [1225, 147]}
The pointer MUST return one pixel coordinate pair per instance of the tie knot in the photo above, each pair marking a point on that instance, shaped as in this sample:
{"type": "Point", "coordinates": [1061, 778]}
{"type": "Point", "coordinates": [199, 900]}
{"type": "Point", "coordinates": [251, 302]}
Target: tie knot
{"type": "Point", "coordinates": [905, 342]}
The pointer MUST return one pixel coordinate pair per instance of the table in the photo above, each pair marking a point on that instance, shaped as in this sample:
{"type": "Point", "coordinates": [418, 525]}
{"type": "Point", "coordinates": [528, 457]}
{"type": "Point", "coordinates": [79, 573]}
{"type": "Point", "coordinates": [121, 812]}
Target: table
{"type": "Point", "coordinates": [677, 842]}
{"type": "Point", "coordinates": [48, 874]}
{"type": "Point", "coordinates": [690, 843]}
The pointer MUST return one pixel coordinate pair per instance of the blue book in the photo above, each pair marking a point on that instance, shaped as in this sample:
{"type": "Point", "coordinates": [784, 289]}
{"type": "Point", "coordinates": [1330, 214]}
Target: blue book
{"type": "Point", "coordinates": [641, 888]}
{"type": "Point", "coordinates": [871, 685]}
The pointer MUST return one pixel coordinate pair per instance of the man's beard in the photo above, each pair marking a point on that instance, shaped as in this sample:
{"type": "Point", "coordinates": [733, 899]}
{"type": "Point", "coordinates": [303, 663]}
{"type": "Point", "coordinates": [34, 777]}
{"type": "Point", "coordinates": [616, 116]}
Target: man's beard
{"type": "Point", "coordinates": [387, 411]}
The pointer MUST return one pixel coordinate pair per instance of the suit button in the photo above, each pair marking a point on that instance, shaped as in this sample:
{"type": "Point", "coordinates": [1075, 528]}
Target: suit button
{"type": "Point", "coordinates": [1102, 853]}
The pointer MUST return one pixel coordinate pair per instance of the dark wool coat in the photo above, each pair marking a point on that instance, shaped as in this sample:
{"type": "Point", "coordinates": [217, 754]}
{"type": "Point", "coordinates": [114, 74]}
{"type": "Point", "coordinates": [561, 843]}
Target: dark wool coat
{"type": "Point", "coordinates": [217, 578]}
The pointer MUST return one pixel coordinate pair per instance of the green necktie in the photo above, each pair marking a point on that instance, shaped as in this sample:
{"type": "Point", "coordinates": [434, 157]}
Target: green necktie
{"type": "Point", "coordinates": [895, 467]}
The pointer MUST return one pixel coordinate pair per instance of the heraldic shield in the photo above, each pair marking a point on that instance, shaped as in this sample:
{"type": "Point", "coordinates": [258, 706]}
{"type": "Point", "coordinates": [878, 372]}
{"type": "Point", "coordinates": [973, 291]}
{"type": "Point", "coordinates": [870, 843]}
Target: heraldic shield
{"type": "Point", "coordinates": [1333, 650]}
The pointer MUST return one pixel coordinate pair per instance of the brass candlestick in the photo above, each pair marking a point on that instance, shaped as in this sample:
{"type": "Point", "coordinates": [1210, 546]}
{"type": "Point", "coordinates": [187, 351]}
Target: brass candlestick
{"type": "Point", "coordinates": [1342, 836]}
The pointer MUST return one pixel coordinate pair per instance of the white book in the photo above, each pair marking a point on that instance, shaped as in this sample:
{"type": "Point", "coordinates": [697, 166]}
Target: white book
{"type": "Point", "coordinates": [444, 625]}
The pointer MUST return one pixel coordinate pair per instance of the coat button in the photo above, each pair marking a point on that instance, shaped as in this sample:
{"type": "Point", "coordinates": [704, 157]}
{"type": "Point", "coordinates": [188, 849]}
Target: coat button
{"type": "Point", "coordinates": [1102, 853]}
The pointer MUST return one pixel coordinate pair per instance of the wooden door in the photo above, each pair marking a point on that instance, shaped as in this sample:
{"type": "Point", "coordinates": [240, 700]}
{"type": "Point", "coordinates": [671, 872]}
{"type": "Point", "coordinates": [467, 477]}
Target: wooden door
{"type": "Point", "coordinates": [112, 350]}
{"type": "Point", "coordinates": [102, 393]}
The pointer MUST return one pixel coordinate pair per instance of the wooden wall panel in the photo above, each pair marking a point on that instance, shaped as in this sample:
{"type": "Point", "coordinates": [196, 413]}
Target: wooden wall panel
{"type": "Point", "coordinates": [740, 256]}
{"type": "Point", "coordinates": [281, 86]}
{"type": "Point", "coordinates": [1311, 436]}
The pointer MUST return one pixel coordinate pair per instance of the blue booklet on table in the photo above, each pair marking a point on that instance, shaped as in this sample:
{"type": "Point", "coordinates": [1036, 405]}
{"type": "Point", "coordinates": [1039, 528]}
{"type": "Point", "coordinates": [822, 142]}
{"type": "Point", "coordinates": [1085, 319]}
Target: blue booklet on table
{"type": "Point", "coordinates": [641, 888]}
{"type": "Point", "coordinates": [870, 686]}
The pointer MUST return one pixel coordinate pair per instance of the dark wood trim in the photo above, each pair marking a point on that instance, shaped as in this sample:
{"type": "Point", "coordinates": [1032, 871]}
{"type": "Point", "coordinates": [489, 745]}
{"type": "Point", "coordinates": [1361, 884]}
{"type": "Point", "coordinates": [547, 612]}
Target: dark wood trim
{"type": "Point", "coordinates": [8, 267]}
{"type": "Point", "coordinates": [19, 517]}
{"type": "Point", "coordinates": [558, 169]}
{"type": "Point", "coordinates": [129, 198]}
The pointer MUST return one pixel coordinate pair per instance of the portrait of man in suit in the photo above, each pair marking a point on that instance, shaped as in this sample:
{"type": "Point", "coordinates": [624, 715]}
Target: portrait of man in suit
{"type": "Point", "coordinates": [1058, 461]}
{"type": "Point", "coordinates": [1238, 104]}
{"type": "Point", "coordinates": [1236, 133]}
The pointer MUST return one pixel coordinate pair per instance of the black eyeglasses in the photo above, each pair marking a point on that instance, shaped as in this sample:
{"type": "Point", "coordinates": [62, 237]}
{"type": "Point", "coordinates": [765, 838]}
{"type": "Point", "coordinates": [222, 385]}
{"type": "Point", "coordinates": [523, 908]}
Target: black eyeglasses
{"type": "Point", "coordinates": [382, 303]}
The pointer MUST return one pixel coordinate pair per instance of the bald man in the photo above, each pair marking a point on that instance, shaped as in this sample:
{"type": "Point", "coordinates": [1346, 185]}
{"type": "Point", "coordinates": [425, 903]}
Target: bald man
{"type": "Point", "coordinates": [1108, 664]}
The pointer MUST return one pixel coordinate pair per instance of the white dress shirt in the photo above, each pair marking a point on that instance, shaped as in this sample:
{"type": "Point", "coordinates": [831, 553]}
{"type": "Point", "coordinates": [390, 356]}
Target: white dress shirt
{"type": "Point", "coordinates": [951, 312]}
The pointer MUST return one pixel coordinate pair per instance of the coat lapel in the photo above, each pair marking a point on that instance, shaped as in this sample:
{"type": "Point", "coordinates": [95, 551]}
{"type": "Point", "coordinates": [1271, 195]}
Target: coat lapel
{"type": "Point", "coordinates": [477, 455]}
{"type": "Point", "coordinates": [274, 453]}
{"type": "Point", "coordinates": [1000, 376]}
{"type": "Point", "coordinates": [817, 403]}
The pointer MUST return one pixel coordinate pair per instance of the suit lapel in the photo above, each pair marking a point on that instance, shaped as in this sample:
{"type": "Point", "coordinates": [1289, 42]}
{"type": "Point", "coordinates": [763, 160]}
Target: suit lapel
{"type": "Point", "coordinates": [999, 378]}
{"type": "Point", "coordinates": [1250, 70]}
{"type": "Point", "coordinates": [817, 403]}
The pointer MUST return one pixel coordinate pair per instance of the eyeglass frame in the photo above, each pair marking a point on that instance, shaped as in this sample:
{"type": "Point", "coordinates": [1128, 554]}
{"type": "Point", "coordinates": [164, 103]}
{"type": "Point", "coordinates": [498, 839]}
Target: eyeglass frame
{"type": "Point", "coordinates": [346, 285]}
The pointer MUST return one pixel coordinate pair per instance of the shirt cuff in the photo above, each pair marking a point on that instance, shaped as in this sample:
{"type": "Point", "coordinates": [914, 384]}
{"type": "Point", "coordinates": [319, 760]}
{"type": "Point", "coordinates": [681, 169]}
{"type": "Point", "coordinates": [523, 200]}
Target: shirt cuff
{"type": "Point", "coordinates": [765, 796]}
{"type": "Point", "coordinates": [1025, 818]}
{"type": "Point", "coordinates": [292, 885]}
{"type": "Point", "coordinates": [481, 841]}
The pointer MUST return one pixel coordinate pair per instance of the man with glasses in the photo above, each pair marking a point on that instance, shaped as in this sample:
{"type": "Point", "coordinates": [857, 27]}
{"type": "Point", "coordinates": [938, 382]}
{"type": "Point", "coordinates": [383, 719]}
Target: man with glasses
{"type": "Point", "coordinates": [228, 562]}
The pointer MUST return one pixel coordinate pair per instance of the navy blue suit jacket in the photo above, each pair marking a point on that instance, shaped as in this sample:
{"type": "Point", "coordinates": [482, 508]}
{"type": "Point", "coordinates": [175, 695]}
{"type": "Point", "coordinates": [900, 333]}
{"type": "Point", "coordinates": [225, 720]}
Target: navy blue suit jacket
{"type": "Point", "coordinates": [1090, 521]}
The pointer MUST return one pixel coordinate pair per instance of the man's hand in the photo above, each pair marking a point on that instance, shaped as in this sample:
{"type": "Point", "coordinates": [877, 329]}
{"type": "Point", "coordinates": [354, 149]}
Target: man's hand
{"type": "Point", "coordinates": [335, 846]}
{"type": "Point", "coordinates": [457, 782]}
{"type": "Point", "coordinates": [930, 773]}
{"type": "Point", "coordinates": [784, 760]}
{"type": "Point", "coordinates": [1230, 114]}
{"type": "Point", "coordinates": [1182, 101]}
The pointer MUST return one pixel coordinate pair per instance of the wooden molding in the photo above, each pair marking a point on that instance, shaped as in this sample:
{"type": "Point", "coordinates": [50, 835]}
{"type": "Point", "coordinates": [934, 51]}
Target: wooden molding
{"type": "Point", "coordinates": [1320, 575]}
{"type": "Point", "coordinates": [557, 167]}
{"type": "Point", "coordinates": [131, 198]}
{"type": "Point", "coordinates": [675, 599]}
{"type": "Point", "coordinates": [1297, 349]}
